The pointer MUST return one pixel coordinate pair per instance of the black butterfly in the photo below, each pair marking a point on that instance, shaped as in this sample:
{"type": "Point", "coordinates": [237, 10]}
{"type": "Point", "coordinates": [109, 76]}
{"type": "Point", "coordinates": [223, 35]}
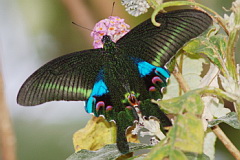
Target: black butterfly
{"type": "Point", "coordinates": [121, 76]}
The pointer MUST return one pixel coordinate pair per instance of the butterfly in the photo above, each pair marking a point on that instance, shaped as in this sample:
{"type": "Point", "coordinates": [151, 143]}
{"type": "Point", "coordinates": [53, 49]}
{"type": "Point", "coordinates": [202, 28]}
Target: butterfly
{"type": "Point", "coordinates": [119, 80]}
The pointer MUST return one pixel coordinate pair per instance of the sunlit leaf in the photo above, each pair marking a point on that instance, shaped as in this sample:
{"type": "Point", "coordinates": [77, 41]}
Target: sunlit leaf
{"type": "Point", "coordinates": [190, 102]}
{"type": "Point", "coordinates": [97, 133]}
{"type": "Point", "coordinates": [230, 119]}
{"type": "Point", "coordinates": [187, 134]}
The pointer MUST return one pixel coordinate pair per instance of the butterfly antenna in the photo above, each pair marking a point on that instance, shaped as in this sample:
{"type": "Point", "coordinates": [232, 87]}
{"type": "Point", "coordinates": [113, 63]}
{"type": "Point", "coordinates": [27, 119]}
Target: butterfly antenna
{"type": "Point", "coordinates": [112, 8]}
{"type": "Point", "coordinates": [81, 26]}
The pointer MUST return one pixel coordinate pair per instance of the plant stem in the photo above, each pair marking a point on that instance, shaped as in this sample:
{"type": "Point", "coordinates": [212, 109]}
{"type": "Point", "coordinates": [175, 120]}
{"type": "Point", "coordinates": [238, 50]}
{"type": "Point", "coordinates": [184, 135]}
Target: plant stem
{"type": "Point", "coordinates": [182, 3]}
{"type": "Point", "coordinates": [181, 81]}
{"type": "Point", "coordinates": [228, 144]}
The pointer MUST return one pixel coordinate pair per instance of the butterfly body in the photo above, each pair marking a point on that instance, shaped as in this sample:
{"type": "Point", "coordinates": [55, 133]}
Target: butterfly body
{"type": "Point", "coordinates": [120, 79]}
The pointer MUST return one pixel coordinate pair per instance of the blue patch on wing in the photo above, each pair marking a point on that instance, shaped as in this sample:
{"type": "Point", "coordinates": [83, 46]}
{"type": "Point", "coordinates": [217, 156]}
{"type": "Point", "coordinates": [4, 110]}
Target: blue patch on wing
{"type": "Point", "coordinates": [146, 68]}
{"type": "Point", "coordinates": [99, 89]}
{"type": "Point", "coordinates": [89, 104]}
{"type": "Point", "coordinates": [163, 71]}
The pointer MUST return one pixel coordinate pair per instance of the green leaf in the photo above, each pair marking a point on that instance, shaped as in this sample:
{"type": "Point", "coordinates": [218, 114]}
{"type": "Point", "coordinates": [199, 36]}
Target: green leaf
{"type": "Point", "coordinates": [230, 119]}
{"type": "Point", "coordinates": [108, 152]}
{"type": "Point", "coordinates": [194, 156]}
{"type": "Point", "coordinates": [190, 102]}
{"type": "Point", "coordinates": [214, 47]}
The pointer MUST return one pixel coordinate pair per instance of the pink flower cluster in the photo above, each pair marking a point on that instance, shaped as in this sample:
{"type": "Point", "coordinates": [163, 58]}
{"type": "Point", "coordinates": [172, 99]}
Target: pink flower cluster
{"type": "Point", "coordinates": [113, 26]}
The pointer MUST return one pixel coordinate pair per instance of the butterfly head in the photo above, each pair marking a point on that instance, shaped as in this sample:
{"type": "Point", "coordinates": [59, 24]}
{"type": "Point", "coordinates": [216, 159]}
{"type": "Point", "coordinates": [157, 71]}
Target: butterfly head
{"type": "Point", "coordinates": [106, 39]}
{"type": "Point", "coordinates": [107, 42]}
{"type": "Point", "coordinates": [108, 30]}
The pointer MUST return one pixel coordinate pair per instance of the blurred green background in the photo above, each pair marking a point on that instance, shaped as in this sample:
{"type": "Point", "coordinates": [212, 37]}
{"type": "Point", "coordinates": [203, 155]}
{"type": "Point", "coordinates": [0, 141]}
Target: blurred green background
{"type": "Point", "coordinates": [33, 32]}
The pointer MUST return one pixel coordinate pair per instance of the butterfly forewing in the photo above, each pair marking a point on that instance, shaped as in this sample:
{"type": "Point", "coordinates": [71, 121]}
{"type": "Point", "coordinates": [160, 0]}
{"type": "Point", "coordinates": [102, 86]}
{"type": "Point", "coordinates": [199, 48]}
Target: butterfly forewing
{"type": "Point", "coordinates": [157, 45]}
{"type": "Point", "coordinates": [70, 77]}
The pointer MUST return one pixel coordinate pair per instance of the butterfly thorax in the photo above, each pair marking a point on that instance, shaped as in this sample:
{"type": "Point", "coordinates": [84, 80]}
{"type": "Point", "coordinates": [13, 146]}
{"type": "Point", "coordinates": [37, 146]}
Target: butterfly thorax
{"type": "Point", "coordinates": [108, 43]}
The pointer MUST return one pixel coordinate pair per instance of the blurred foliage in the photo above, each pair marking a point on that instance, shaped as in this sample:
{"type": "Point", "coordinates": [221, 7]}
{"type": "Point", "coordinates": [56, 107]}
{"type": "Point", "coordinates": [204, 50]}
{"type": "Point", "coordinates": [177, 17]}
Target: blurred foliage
{"type": "Point", "coordinates": [38, 140]}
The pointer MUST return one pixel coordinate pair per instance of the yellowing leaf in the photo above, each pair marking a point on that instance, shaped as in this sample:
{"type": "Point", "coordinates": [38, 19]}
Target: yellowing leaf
{"type": "Point", "coordinates": [96, 134]}
{"type": "Point", "coordinates": [188, 133]}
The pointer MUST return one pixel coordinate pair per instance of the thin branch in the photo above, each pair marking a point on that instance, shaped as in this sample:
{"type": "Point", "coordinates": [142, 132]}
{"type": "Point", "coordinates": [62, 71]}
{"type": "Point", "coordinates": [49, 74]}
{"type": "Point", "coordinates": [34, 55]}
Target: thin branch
{"type": "Point", "coordinates": [181, 81]}
{"type": "Point", "coordinates": [7, 137]}
{"type": "Point", "coordinates": [228, 144]}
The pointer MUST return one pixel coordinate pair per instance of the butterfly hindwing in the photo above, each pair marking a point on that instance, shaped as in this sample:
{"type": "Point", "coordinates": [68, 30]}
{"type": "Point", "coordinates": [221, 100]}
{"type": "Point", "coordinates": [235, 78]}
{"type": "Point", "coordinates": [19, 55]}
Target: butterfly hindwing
{"type": "Point", "coordinates": [70, 77]}
{"type": "Point", "coordinates": [157, 45]}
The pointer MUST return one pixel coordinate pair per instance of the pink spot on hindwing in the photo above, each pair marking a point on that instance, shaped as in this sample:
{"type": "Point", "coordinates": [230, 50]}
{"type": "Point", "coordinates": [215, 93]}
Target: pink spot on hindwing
{"type": "Point", "coordinates": [99, 105]}
{"type": "Point", "coordinates": [109, 108]}
{"type": "Point", "coordinates": [152, 89]}
{"type": "Point", "coordinates": [129, 107]}
{"type": "Point", "coordinates": [156, 79]}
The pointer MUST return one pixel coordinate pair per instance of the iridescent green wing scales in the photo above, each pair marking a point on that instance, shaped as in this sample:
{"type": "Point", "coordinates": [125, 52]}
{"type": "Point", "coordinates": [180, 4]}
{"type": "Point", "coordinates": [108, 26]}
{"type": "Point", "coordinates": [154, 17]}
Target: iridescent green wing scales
{"type": "Point", "coordinates": [157, 45]}
{"type": "Point", "coordinates": [70, 77]}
